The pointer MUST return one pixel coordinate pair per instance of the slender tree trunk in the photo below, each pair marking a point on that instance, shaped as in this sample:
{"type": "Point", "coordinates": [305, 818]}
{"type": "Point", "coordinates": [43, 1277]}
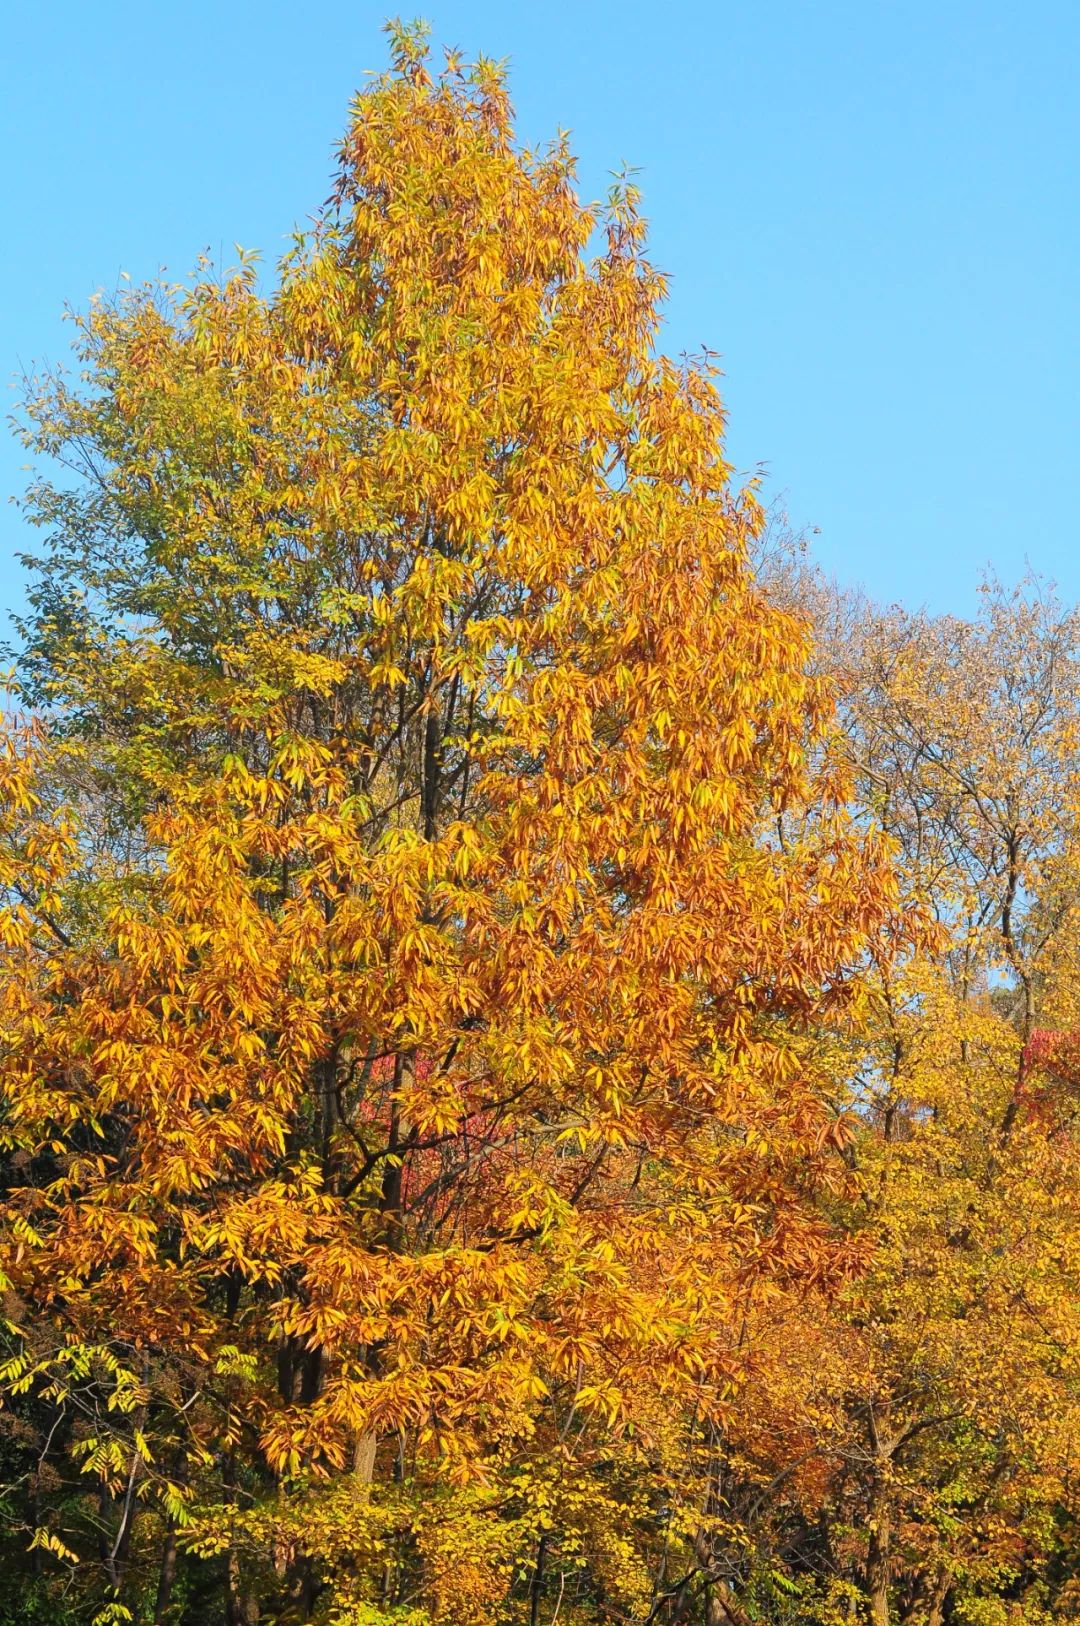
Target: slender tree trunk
{"type": "Point", "coordinates": [166, 1576]}
{"type": "Point", "coordinates": [364, 1456]}
{"type": "Point", "coordinates": [536, 1585]}
{"type": "Point", "coordinates": [935, 1615]}
{"type": "Point", "coordinates": [722, 1608]}
{"type": "Point", "coordinates": [241, 1609]}
{"type": "Point", "coordinates": [877, 1566]}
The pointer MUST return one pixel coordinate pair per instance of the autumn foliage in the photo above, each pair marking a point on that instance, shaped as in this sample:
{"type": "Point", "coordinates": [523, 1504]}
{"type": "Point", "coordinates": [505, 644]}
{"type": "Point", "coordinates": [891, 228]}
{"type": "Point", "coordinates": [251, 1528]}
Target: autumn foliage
{"type": "Point", "coordinates": [518, 1062]}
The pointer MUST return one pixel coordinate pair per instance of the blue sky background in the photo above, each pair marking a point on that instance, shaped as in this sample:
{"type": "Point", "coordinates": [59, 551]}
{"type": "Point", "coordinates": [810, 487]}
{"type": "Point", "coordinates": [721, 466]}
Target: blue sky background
{"type": "Point", "coordinates": [871, 209]}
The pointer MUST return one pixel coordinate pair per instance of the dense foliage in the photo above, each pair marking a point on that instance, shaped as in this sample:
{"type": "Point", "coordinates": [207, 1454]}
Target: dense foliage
{"type": "Point", "coordinates": [537, 1080]}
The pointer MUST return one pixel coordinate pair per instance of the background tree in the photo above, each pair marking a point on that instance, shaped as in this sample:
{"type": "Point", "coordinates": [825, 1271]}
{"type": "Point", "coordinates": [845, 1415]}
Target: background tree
{"type": "Point", "coordinates": [948, 1494]}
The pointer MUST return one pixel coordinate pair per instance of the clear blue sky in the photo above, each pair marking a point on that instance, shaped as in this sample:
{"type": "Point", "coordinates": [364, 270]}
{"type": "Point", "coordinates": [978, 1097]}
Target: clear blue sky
{"type": "Point", "coordinates": [871, 209]}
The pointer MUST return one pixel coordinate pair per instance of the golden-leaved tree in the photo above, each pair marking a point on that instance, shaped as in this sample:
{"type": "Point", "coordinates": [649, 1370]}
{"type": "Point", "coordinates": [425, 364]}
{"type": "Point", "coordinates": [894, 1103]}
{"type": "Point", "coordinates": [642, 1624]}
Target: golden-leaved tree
{"type": "Point", "coordinates": [411, 1132]}
{"type": "Point", "coordinates": [947, 1494]}
{"type": "Point", "coordinates": [966, 732]}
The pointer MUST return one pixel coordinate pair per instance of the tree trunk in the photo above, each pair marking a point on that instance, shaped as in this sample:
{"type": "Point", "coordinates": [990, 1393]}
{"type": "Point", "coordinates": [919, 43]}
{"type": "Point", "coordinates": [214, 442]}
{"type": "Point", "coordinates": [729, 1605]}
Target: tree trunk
{"type": "Point", "coordinates": [935, 1615]}
{"type": "Point", "coordinates": [722, 1608]}
{"type": "Point", "coordinates": [241, 1609]}
{"type": "Point", "coordinates": [536, 1585]}
{"type": "Point", "coordinates": [364, 1456]}
{"type": "Point", "coordinates": [877, 1567]}
{"type": "Point", "coordinates": [166, 1576]}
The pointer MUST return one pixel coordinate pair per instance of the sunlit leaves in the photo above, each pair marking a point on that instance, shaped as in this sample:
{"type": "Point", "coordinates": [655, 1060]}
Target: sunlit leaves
{"type": "Point", "coordinates": [414, 1030]}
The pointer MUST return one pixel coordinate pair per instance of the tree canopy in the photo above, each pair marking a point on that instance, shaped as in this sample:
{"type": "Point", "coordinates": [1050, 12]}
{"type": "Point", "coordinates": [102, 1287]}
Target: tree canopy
{"type": "Point", "coordinates": [536, 1073]}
